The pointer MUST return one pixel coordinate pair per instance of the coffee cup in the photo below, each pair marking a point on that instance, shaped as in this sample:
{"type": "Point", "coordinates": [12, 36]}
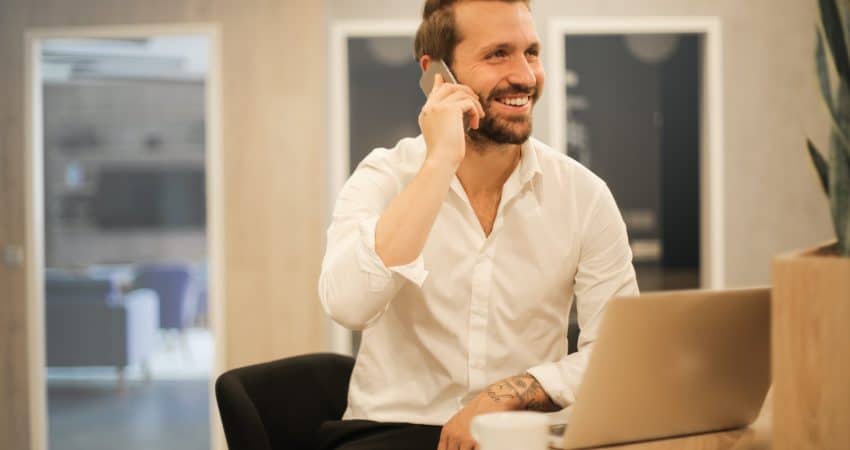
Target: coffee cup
{"type": "Point", "coordinates": [511, 430]}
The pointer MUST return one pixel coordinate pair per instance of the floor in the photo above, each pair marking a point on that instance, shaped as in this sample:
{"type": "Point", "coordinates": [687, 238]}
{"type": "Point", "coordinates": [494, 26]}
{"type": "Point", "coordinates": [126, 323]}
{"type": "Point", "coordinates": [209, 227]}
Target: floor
{"type": "Point", "coordinates": [88, 409]}
{"type": "Point", "coordinates": [168, 414]}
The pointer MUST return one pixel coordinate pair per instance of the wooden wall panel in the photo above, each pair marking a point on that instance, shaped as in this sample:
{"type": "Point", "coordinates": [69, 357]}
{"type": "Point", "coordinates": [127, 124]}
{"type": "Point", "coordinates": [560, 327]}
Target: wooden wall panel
{"type": "Point", "coordinates": [273, 148]}
{"type": "Point", "coordinates": [14, 386]}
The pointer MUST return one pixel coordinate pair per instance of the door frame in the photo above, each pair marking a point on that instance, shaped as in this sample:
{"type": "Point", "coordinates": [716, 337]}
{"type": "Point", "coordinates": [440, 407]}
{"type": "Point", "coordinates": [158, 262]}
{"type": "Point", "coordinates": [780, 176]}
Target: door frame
{"type": "Point", "coordinates": [34, 205]}
{"type": "Point", "coordinates": [338, 150]}
{"type": "Point", "coordinates": [712, 232]}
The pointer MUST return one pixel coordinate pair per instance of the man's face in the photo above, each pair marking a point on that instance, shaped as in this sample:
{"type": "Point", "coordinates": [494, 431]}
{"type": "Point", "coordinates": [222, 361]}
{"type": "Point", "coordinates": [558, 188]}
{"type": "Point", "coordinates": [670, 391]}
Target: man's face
{"type": "Point", "coordinates": [498, 57]}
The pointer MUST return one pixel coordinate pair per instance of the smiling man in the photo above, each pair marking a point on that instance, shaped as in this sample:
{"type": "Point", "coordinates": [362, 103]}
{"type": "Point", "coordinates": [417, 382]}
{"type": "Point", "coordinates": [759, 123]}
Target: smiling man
{"type": "Point", "coordinates": [459, 252]}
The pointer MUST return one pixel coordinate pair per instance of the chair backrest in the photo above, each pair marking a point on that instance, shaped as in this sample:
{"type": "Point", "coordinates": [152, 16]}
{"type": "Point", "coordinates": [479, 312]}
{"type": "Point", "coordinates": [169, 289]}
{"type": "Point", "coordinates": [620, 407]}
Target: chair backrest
{"type": "Point", "coordinates": [81, 315]}
{"type": "Point", "coordinates": [280, 404]}
{"type": "Point", "coordinates": [85, 333]}
{"type": "Point", "coordinates": [172, 283]}
{"type": "Point", "coordinates": [79, 289]}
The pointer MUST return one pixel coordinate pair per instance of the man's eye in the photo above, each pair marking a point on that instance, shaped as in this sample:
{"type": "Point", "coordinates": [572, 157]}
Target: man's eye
{"type": "Point", "coordinates": [497, 54]}
{"type": "Point", "coordinates": [532, 52]}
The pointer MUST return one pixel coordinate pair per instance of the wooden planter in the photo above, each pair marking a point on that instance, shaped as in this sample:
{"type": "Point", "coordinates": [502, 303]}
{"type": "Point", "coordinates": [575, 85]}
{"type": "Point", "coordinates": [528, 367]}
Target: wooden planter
{"type": "Point", "coordinates": [811, 351]}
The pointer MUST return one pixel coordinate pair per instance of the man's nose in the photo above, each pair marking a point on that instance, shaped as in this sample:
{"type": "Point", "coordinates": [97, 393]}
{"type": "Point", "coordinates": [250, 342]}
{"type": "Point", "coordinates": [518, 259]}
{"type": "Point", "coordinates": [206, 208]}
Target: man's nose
{"type": "Point", "coordinates": [522, 73]}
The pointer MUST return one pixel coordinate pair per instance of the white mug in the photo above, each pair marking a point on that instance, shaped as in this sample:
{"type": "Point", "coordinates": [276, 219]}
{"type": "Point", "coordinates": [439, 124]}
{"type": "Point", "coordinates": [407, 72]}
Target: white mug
{"type": "Point", "coordinates": [511, 430]}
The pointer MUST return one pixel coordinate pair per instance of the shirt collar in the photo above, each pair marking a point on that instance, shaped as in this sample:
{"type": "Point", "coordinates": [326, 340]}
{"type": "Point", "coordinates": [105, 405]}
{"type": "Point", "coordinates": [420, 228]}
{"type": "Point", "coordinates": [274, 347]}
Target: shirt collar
{"type": "Point", "coordinates": [529, 165]}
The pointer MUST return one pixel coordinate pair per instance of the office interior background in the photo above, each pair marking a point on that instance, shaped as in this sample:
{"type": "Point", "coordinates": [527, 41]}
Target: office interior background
{"type": "Point", "coordinates": [239, 121]}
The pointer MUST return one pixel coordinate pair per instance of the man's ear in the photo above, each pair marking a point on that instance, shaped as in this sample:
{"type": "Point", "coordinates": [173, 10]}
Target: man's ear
{"type": "Point", "coordinates": [424, 62]}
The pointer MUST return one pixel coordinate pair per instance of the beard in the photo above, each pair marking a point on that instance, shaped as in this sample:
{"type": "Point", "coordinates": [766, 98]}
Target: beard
{"type": "Point", "coordinates": [499, 129]}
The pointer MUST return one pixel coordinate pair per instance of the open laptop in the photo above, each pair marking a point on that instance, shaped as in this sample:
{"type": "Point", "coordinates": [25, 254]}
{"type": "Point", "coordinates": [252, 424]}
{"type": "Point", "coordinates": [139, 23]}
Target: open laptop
{"type": "Point", "coordinates": [674, 363]}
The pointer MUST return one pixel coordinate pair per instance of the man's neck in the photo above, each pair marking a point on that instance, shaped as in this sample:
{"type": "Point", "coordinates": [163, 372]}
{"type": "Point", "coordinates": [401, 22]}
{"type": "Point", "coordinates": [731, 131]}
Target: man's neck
{"type": "Point", "coordinates": [486, 167]}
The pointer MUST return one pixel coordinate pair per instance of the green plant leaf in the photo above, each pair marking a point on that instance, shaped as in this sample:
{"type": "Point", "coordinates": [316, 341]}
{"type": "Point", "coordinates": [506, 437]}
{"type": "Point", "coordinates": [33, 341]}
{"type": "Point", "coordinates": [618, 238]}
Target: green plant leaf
{"type": "Point", "coordinates": [834, 30]}
{"type": "Point", "coordinates": [845, 147]}
{"type": "Point", "coordinates": [841, 127]}
{"type": "Point", "coordinates": [821, 167]}
{"type": "Point", "coordinates": [823, 75]}
{"type": "Point", "coordinates": [839, 194]}
{"type": "Point", "coordinates": [843, 140]}
{"type": "Point", "coordinates": [826, 91]}
{"type": "Point", "coordinates": [825, 87]}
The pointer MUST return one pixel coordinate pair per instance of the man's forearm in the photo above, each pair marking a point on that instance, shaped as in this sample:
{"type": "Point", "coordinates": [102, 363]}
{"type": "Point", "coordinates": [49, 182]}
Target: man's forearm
{"type": "Point", "coordinates": [521, 392]}
{"type": "Point", "coordinates": [404, 226]}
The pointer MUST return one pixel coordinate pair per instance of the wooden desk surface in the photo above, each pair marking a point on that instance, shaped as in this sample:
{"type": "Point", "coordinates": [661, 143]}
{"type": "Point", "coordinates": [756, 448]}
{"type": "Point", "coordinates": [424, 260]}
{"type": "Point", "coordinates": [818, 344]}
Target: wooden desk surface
{"type": "Point", "coordinates": [755, 437]}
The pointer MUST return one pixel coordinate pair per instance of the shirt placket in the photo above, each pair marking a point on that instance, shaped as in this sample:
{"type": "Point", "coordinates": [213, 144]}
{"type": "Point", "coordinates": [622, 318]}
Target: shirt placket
{"type": "Point", "coordinates": [479, 308]}
{"type": "Point", "coordinates": [479, 305]}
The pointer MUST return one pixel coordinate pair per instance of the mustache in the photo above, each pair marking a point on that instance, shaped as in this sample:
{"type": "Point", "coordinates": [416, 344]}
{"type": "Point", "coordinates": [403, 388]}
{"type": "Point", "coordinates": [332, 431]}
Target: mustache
{"type": "Point", "coordinates": [514, 89]}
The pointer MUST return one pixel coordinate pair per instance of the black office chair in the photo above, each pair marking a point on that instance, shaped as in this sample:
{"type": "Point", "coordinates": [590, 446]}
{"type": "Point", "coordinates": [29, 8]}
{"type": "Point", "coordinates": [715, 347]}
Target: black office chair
{"type": "Point", "coordinates": [279, 405]}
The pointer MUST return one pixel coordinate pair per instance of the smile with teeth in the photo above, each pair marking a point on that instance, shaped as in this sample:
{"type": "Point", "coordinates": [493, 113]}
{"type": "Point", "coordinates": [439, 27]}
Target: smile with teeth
{"type": "Point", "coordinates": [514, 101]}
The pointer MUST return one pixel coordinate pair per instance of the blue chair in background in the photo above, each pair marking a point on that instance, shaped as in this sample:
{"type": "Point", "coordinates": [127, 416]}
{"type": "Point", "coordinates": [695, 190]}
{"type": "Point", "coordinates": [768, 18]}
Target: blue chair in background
{"type": "Point", "coordinates": [174, 285]}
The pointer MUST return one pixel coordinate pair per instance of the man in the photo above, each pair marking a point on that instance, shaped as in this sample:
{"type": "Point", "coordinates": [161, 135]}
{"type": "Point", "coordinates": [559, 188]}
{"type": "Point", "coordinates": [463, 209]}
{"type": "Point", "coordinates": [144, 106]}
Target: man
{"type": "Point", "coordinates": [459, 252]}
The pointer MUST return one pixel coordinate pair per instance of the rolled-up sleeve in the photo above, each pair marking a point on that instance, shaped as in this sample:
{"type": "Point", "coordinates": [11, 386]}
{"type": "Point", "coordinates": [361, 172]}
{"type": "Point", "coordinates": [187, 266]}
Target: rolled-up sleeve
{"type": "Point", "coordinates": [604, 271]}
{"type": "Point", "coordinates": [355, 287]}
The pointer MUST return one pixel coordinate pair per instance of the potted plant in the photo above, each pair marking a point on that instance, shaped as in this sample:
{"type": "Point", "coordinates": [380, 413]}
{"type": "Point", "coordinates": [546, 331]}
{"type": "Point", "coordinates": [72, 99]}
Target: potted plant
{"type": "Point", "coordinates": [811, 293]}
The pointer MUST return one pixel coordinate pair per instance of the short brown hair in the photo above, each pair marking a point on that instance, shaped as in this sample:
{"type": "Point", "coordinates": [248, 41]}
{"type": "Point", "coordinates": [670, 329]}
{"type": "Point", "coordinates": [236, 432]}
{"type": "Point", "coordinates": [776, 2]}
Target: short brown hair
{"type": "Point", "coordinates": [437, 35]}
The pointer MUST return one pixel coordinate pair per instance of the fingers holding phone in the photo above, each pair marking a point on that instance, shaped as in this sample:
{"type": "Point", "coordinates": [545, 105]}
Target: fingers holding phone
{"type": "Point", "coordinates": [439, 70]}
{"type": "Point", "coordinates": [459, 95]}
{"type": "Point", "coordinates": [449, 111]}
{"type": "Point", "coordinates": [442, 121]}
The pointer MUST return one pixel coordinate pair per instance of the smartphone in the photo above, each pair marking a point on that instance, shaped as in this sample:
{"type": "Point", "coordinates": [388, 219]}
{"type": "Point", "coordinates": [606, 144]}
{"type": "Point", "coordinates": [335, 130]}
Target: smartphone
{"type": "Point", "coordinates": [436, 66]}
{"type": "Point", "coordinates": [427, 81]}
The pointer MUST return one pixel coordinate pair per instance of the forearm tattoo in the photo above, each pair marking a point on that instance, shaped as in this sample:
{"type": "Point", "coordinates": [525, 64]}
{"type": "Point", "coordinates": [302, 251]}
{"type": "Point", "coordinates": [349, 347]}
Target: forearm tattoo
{"type": "Point", "coordinates": [521, 392]}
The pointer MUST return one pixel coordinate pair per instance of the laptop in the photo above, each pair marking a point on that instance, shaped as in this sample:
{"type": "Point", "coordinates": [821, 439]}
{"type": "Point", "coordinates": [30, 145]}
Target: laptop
{"type": "Point", "coordinates": [674, 363]}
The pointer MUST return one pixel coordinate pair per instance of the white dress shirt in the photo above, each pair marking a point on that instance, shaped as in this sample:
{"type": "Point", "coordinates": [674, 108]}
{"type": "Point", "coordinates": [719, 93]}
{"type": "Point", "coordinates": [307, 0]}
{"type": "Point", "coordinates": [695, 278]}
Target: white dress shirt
{"type": "Point", "coordinates": [473, 309]}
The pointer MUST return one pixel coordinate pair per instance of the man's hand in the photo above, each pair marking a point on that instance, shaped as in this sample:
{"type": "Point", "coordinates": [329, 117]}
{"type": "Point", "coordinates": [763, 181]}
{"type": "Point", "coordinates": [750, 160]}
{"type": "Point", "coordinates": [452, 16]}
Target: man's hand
{"type": "Point", "coordinates": [401, 231]}
{"type": "Point", "coordinates": [441, 121]}
{"type": "Point", "coordinates": [456, 435]}
{"type": "Point", "coordinates": [521, 392]}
